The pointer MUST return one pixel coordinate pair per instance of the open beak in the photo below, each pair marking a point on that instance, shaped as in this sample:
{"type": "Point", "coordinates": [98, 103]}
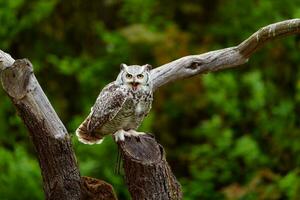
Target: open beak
{"type": "Point", "coordinates": [134, 85]}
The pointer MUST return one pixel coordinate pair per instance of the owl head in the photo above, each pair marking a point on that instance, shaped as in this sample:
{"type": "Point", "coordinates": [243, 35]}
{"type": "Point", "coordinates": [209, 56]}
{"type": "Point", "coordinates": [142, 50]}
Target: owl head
{"type": "Point", "coordinates": [134, 77]}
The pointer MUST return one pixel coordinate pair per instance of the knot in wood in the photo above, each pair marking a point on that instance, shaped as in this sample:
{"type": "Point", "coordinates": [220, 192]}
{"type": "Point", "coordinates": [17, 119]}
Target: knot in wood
{"type": "Point", "coordinates": [195, 65]}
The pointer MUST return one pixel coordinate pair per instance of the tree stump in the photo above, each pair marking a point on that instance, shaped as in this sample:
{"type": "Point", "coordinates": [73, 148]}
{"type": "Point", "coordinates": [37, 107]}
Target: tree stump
{"type": "Point", "coordinates": [147, 173]}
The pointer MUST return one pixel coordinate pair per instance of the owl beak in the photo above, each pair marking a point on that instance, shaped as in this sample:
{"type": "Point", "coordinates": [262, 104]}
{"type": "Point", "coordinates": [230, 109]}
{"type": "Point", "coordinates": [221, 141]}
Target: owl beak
{"type": "Point", "coordinates": [134, 85]}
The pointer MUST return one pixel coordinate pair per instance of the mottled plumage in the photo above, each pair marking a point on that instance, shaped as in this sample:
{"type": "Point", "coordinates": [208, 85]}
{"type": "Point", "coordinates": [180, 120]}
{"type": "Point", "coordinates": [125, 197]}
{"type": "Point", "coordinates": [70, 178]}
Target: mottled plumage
{"type": "Point", "coordinates": [121, 105]}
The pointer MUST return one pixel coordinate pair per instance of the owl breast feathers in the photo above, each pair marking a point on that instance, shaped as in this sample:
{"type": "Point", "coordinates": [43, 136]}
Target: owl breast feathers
{"type": "Point", "coordinates": [121, 105]}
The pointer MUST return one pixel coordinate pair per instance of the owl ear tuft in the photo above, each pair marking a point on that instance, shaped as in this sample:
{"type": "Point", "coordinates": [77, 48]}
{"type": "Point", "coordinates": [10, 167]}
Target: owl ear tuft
{"type": "Point", "coordinates": [122, 66]}
{"type": "Point", "coordinates": [148, 67]}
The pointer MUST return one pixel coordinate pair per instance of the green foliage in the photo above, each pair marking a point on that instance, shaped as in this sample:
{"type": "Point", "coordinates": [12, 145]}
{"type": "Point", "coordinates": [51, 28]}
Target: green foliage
{"type": "Point", "coordinates": [20, 175]}
{"type": "Point", "coordinates": [291, 184]}
{"type": "Point", "coordinates": [228, 135]}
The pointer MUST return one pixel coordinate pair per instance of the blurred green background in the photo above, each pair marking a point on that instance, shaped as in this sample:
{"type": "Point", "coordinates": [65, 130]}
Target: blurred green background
{"type": "Point", "coordinates": [233, 134]}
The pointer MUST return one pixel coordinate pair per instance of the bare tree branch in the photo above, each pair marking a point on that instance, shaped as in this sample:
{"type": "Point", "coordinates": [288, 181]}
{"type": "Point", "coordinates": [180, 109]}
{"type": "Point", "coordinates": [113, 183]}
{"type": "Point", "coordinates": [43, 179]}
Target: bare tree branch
{"type": "Point", "coordinates": [56, 158]}
{"type": "Point", "coordinates": [225, 58]}
{"type": "Point", "coordinates": [51, 140]}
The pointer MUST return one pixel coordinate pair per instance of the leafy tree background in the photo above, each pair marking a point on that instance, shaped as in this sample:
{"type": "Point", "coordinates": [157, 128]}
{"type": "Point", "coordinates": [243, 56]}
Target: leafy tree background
{"type": "Point", "coordinates": [234, 134]}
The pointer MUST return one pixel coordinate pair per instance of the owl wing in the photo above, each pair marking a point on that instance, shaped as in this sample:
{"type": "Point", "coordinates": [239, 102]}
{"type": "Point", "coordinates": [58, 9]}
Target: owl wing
{"type": "Point", "coordinates": [108, 104]}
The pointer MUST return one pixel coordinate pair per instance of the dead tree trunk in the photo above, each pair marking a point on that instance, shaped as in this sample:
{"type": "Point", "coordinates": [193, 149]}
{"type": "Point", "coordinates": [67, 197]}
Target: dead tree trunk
{"type": "Point", "coordinates": [148, 175]}
{"type": "Point", "coordinates": [51, 140]}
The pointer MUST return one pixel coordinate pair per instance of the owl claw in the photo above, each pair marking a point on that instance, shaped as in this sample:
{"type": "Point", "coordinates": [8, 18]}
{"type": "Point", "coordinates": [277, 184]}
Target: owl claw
{"type": "Point", "coordinates": [119, 135]}
{"type": "Point", "coordinates": [134, 133]}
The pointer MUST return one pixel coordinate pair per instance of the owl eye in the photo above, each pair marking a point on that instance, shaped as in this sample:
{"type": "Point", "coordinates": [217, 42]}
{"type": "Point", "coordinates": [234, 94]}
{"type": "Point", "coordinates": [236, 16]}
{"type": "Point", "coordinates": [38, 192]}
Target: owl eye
{"type": "Point", "coordinates": [140, 76]}
{"type": "Point", "coordinates": [128, 76]}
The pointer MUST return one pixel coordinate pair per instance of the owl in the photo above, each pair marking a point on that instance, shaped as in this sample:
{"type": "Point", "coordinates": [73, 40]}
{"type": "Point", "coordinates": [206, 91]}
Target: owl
{"type": "Point", "coordinates": [120, 107]}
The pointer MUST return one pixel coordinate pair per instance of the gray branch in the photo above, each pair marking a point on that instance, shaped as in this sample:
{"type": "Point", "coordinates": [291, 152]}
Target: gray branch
{"type": "Point", "coordinates": [50, 138]}
{"type": "Point", "coordinates": [225, 58]}
{"type": "Point", "coordinates": [47, 132]}
{"type": "Point", "coordinates": [5, 60]}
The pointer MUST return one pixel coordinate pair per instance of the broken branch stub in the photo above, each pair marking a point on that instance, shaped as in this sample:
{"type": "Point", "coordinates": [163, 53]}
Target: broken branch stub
{"type": "Point", "coordinates": [147, 173]}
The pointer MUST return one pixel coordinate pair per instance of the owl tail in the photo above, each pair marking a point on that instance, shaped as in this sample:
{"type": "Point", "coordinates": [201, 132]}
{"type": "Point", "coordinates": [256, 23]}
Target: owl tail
{"type": "Point", "coordinates": [87, 137]}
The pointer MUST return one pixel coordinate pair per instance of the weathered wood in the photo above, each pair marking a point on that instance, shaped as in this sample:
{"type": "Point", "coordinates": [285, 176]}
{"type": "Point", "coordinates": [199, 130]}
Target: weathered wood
{"type": "Point", "coordinates": [54, 150]}
{"type": "Point", "coordinates": [5, 60]}
{"type": "Point", "coordinates": [148, 175]}
{"type": "Point", "coordinates": [224, 58]}
{"type": "Point", "coordinates": [56, 157]}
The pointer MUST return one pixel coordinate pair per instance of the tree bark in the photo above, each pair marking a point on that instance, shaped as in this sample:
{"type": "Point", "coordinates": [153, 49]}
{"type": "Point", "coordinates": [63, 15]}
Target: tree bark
{"type": "Point", "coordinates": [147, 173]}
{"type": "Point", "coordinates": [56, 157]}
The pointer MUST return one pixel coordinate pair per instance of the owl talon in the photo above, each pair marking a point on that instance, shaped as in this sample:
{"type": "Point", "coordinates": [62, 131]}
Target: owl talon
{"type": "Point", "coordinates": [119, 135]}
{"type": "Point", "coordinates": [135, 133]}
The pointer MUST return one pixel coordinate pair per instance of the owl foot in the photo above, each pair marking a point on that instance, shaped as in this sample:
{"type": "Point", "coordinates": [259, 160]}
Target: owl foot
{"type": "Point", "coordinates": [120, 135]}
{"type": "Point", "coordinates": [134, 133]}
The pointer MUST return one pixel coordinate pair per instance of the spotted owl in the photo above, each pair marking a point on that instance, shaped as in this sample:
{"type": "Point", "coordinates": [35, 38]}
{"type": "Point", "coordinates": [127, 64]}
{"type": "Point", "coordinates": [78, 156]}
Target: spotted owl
{"type": "Point", "coordinates": [120, 107]}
